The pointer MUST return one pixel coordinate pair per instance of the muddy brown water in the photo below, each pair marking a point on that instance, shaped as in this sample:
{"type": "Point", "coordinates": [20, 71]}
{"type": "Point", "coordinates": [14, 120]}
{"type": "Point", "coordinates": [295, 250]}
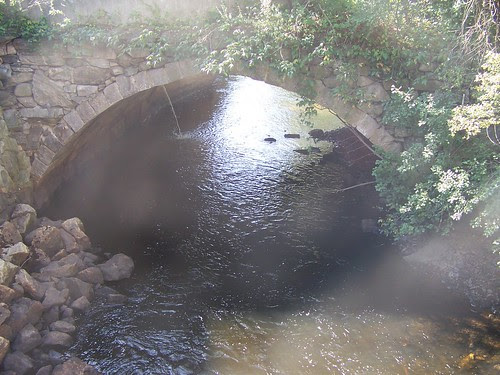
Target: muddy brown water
{"type": "Point", "coordinates": [248, 259]}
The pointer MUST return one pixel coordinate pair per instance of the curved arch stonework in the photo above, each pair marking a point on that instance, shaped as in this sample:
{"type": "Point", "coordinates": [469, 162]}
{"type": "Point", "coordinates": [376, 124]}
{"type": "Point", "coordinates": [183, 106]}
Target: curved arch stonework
{"type": "Point", "coordinates": [50, 95]}
{"type": "Point", "coordinates": [71, 124]}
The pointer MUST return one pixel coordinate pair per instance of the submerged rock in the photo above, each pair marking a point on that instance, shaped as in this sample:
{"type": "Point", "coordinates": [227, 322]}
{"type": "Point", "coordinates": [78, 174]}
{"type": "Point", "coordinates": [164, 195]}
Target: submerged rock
{"type": "Point", "coordinates": [119, 267]}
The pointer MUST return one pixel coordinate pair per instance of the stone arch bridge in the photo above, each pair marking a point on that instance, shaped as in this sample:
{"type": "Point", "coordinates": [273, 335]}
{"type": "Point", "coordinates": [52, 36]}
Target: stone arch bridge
{"type": "Point", "coordinates": [49, 96]}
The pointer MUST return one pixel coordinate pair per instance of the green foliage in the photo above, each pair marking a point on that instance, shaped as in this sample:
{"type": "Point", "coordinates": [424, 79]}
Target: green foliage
{"type": "Point", "coordinates": [485, 113]}
{"type": "Point", "coordinates": [440, 178]}
{"type": "Point", "coordinates": [15, 24]}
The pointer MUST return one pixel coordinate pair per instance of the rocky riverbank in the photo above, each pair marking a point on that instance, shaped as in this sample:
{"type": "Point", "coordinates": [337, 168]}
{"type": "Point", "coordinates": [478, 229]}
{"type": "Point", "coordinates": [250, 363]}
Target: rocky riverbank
{"type": "Point", "coordinates": [49, 273]}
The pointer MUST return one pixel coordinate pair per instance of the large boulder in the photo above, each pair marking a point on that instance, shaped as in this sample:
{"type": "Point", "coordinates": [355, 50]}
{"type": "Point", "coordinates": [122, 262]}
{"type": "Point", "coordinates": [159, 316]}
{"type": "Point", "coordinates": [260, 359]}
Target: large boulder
{"type": "Point", "coordinates": [48, 239]}
{"type": "Point", "coordinates": [24, 311]}
{"type": "Point", "coordinates": [74, 366]}
{"type": "Point", "coordinates": [78, 288]}
{"type": "Point", "coordinates": [62, 326]}
{"type": "Point", "coordinates": [81, 304]}
{"type": "Point", "coordinates": [56, 339]}
{"type": "Point", "coordinates": [9, 234]}
{"type": "Point", "coordinates": [28, 339]}
{"type": "Point", "coordinates": [119, 267]}
{"type": "Point", "coordinates": [19, 363]}
{"type": "Point", "coordinates": [66, 267]}
{"type": "Point", "coordinates": [75, 227]}
{"type": "Point", "coordinates": [91, 275]}
{"type": "Point", "coordinates": [30, 285]}
{"type": "Point", "coordinates": [23, 217]}
{"type": "Point", "coordinates": [7, 272]}
{"type": "Point", "coordinates": [54, 297]}
{"type": "Point", "coordinates": [16, 254]}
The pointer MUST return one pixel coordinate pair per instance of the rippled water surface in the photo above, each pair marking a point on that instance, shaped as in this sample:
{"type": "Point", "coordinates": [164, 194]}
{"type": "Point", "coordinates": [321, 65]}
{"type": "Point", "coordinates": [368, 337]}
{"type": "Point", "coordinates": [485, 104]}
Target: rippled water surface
{"type": "Point", "coordinates": [248, 259]}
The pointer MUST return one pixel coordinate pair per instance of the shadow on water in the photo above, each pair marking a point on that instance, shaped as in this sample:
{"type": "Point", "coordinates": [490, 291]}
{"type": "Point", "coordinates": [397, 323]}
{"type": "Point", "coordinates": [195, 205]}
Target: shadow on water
{"type": "Point", "coordinates": [248, 260]}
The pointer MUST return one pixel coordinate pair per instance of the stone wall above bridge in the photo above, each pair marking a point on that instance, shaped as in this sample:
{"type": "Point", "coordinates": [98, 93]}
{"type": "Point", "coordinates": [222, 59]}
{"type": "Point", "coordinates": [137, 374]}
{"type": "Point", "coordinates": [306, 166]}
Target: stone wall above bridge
{"type": "Point", "coordinates": [48, 96]}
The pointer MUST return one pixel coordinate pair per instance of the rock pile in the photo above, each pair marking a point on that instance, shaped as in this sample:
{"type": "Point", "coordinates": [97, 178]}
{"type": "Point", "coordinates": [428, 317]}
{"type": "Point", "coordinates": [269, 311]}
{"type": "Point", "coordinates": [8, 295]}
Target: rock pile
{"type": "Point", "coordinates": [49, 272]}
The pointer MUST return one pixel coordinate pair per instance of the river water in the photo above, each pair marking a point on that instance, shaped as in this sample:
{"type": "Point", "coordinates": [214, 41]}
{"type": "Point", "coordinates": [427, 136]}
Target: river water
{"type": "Point", "coordinates": [248, 258]}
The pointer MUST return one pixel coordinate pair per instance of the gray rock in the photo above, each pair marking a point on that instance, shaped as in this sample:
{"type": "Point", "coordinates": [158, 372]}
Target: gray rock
{"type": "Point", "coordinates": [66, 312]}
{"type": "Point", "coordinates": [45, 370]}
{"type": "Point", "coordinates": [4, 313]}
{"type": "Point", "coordinates": [54, 297]}
{"type": "Point", "coordinates": [47, 93]}
{"type": "Point", "coordinates": [30, 285]}
{"type": "Point", "coordinates": [75, 227]}
{"type": "Point", "coordinates": [119, 267]}
{"type": "Point", "coordinates": [23, 90]}
{"type": "Point", "coordinates": [9, 234]}
{"type": "Point", "coordinates": [55, 357]}
{"type": "Point", "coordinates": [4, 348]}
{"type": "Point", "coordinates": [70, 242]}
{"type": "Point", "coordinates": [7, 294]}
{"type": "Point", "coordinates": [66, 267]}
{"type": "Point", "coordinates": [23, 217]}
{"type": "Point", "coordinates": [74, 366]}
{"type": "Point", "coordinates": [24, 311]}
{"type": "Point", "coordinates": [375, 92]}
{"type": "Point", "coordinates": [81, 304]}
{"type": "Point", "coordinates": [28, 339]}
{"type": "Point", "coordinates": [91, 275]}
{"type": "Point", "coordinates": [104, 291]}
{"type": "Point", "coordinates": [116, 298]}
{"type": "Point", "coordinates": [56, 339]}
{"type": "Point", "coordinates": [63, 326]}
{"type": "Point", "coordinates": [48, 239]}
{"type": "Point", "coordinates": [78, 288]}
{"type": "Point", "coordinates": [90, 75]}
{"type": "Point", "coordinates": [7, 272]}
{"type": "Point", "coordinates": [61, 254]}
{"type": "Point", "coordinates": [38, 260]}
{"type": "Point", "coordinates": [18, 362]}
{"type": "Point", "coordinates": [16, 254]}
{"type": "Point", "coordinates": [6, 332]}
{"type": "Point", "coordinates": [51, 315]}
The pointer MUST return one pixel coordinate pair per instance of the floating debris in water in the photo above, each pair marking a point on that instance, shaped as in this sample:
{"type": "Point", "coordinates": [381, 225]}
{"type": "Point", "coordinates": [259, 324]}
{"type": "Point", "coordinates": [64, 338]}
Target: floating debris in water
{"type": "Point", "coordinates": [292, 136]}
{"type": "Point", "coordinates": [270, 139]}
